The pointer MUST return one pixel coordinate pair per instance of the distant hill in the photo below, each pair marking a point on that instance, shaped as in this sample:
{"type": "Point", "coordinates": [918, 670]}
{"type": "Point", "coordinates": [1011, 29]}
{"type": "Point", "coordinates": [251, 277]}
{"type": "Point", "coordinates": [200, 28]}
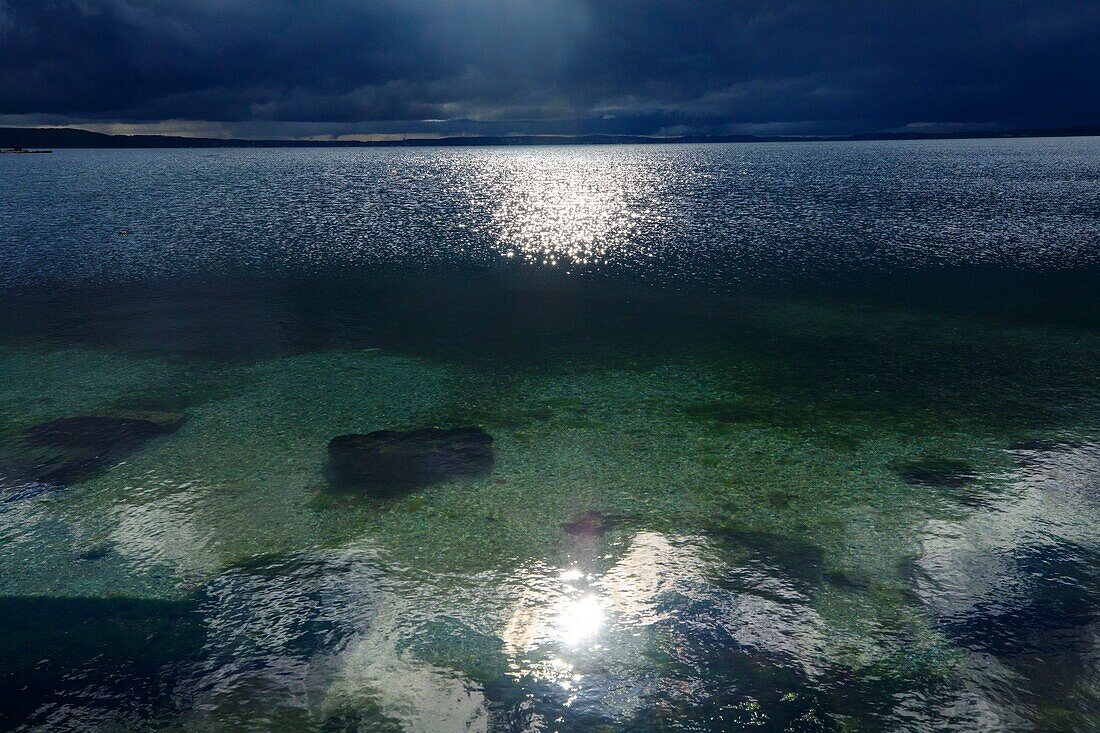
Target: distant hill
{"type": "Point", "coordinates": [41, 137]}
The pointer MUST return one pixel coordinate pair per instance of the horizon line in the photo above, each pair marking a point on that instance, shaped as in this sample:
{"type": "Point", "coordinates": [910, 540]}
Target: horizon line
{"type": "Point", "coordinates": [77, 137]}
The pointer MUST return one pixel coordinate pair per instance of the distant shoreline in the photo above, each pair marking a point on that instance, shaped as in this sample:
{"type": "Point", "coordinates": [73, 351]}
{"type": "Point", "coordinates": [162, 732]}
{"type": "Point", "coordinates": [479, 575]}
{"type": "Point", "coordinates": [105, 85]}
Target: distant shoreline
{"type": "Point", "coordinates": [40, 137]}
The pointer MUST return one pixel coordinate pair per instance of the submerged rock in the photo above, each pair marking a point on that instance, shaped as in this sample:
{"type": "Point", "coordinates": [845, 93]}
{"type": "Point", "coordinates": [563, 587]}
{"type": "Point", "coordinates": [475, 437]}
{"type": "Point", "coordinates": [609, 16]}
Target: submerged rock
{"type": "Point", "coordinates": [590, 523]}
{"type": "Point", "coordinates": [938, 473]}
{"type": "Point", "coordinates": [22, 479]}
{"type": "Point", "coordinates": [387, 461]}
{"type": "Point", "coordinates": [956, 480]}
{"type": "Point", "coordinates": [848, 581]}
{"type": "Point", "coordinates": [57, 453]}
{"type": "Point", "coordinates": [98, 433]}
{"type": "Point", "coordinates": [780, 499]}
{"type": "Point", "coordinates": [1043, 445]}
{"type": "Point", "coordinates": [29, 477]}
{"type": "Point", "coordinates": [786, 563]}
{"type": "Point", "coordinates": [723, 414]}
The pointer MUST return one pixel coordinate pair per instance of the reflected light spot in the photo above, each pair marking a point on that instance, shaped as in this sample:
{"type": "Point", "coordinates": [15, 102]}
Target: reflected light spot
{"type": "Point", "coordinates": [580, 620]}
{"type": "Point", "coordinates": [569, 208]}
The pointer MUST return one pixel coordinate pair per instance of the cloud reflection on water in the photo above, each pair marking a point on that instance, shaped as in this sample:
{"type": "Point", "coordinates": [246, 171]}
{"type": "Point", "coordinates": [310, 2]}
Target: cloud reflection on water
{"type": "Point", "coordinates": [593, 635]}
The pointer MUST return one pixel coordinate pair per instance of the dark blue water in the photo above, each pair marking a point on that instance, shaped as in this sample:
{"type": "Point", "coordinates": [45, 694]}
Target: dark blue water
{"type": "Point", "coordinates": [781, 437]}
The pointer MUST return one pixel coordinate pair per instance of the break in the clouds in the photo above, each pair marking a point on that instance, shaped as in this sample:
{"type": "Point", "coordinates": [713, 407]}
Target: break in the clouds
{"type": "Point", "coordinates": [428, 67]}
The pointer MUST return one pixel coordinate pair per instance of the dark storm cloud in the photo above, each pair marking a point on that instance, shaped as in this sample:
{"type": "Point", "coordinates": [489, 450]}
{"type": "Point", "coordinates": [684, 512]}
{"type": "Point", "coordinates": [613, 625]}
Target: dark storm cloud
{"type": "Point", "coordinates": [347, 66]}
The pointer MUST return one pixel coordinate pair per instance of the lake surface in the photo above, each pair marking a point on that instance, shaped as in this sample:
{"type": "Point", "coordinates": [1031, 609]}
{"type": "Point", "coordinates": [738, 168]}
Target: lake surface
{"type": "Point", "coordinates": [792, 437]}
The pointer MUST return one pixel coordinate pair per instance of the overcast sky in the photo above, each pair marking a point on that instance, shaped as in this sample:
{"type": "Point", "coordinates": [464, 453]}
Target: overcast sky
{"type": "Point", "coordinates": [271, 68]}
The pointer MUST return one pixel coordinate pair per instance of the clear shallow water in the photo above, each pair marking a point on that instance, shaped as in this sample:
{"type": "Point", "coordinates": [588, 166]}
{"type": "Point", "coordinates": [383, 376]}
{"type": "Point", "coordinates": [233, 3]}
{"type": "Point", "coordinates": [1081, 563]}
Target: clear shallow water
{"type": "Point", "coordinates": [831, 409]}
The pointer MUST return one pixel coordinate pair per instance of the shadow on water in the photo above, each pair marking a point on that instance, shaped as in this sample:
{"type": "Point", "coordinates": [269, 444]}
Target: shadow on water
{"type": "Point", "coordinates": [116, 660]}
{"type": "Point", "coordinates": [790, 358]}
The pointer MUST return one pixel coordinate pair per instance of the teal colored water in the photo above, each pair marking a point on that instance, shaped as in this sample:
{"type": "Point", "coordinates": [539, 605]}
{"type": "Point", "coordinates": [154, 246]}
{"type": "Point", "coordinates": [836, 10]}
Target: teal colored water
{"type": "Point", "coordinates": [784, 437]}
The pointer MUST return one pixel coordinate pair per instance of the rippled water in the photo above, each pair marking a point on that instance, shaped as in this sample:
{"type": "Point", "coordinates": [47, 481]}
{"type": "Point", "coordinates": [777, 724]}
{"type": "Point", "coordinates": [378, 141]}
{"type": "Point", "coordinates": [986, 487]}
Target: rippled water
{"type": "Point", "coordinates": [785, 437]}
